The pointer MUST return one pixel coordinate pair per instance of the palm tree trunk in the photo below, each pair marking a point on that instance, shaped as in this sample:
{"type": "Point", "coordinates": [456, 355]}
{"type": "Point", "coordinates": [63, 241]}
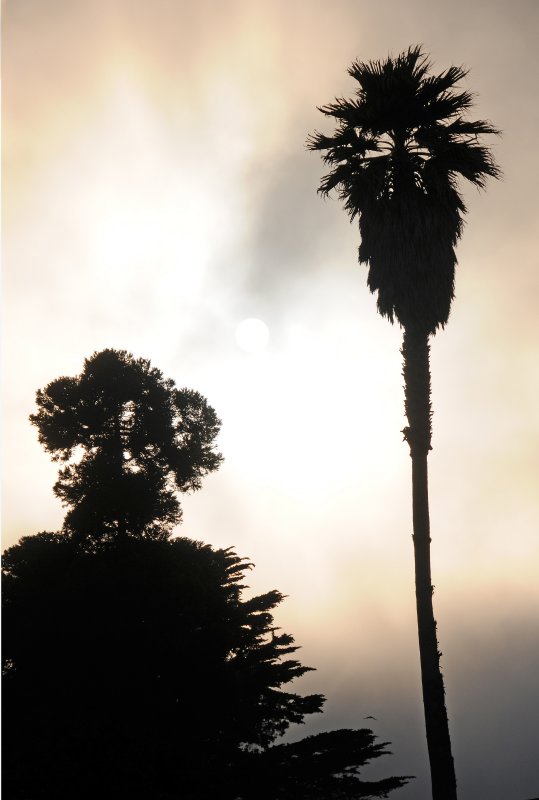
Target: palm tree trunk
{"type": "Point", "coordinates": [416, 372]}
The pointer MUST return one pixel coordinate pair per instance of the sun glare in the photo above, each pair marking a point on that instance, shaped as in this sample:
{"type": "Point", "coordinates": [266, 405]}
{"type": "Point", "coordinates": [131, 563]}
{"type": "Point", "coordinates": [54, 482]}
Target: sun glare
{"type": "Point", "coordinates": [252, 335]}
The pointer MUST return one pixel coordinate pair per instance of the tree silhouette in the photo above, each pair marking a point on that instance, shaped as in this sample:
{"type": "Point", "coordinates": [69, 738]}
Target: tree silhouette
{"type": "Point", "coordinates": [137, 669]}
{"type": "Point", "coordinates": [400, 147]}
{"type": "Point", "coordinates": [321, 767]}
{"type": "Point", "coordinates": [132, 664]}
{"type": "Point", "coordinates": [142, 440]}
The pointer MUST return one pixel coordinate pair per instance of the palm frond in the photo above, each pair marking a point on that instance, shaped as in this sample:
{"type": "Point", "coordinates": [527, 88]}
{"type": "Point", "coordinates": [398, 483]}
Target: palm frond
{"type": "Point", "coordinates": [448, 104]}
{"type": "Point", "coordinates": [401, 144]}
{"type": "Point", "coordinates": [473, 162]}
{"type": "Point", "coordinates": [434, 85]}
{"type": "Point", "coordinates": [468, 128]}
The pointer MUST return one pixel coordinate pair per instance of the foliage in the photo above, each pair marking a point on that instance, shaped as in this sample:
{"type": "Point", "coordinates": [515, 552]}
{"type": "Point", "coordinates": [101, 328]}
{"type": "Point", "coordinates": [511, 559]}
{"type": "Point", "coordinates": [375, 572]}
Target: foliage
{"type": "Point", "coordinates": [321, 767]}
{"type": "Point", "coordinates": [139, 670]}
{"type": "Point", "coordinates": [133, 666]}
{"type": "Point", "coordinates": [141, 440]}
{"type": "Point", "coordinates": [400, 146]}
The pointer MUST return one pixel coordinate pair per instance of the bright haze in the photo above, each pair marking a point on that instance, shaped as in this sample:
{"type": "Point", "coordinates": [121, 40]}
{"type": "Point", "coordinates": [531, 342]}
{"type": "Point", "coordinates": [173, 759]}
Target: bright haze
{"type": "Point", "coordinates": [158, 197]}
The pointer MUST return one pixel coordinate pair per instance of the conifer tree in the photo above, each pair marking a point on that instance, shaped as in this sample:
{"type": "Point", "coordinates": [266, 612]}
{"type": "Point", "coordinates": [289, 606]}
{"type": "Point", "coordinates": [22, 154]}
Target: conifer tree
{"type": "Point", "coordinates": [133, 666]}
{"type": "Point", "coordinates": [130, 440]}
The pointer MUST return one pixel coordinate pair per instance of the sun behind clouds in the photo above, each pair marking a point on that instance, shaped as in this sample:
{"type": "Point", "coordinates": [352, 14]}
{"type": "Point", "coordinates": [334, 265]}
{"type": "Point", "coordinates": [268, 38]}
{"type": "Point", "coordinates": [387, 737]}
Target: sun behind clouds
{"type": "Point", "coordinates": [252, 335]}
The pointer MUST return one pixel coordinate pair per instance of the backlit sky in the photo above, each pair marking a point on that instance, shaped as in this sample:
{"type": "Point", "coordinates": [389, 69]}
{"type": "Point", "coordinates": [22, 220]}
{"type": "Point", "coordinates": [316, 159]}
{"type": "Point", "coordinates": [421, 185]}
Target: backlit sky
{"type": "Point", "coordinates": [157, 192]}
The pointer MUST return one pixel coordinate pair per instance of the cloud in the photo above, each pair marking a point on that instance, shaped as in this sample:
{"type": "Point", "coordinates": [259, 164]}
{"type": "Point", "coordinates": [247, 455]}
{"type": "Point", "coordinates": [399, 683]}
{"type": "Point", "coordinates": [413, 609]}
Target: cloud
{"type": "Point", "coordinates": [158, 191]}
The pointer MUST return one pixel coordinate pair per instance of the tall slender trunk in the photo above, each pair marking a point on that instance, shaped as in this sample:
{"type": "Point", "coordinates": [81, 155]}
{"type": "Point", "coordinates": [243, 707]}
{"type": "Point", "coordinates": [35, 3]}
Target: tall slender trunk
{"type": "Point", "coordinates": [416, 372]}
{"type": "Point", "coordinates": [117, 452]}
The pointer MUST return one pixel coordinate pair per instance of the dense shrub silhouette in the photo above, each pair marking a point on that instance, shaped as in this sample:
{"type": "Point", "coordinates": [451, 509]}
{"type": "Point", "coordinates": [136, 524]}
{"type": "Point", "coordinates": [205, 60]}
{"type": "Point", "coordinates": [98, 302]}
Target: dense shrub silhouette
{"type": "Point", "coordinates": [137, 663]}
{"type": "Point", "coordinates": [138, 670]}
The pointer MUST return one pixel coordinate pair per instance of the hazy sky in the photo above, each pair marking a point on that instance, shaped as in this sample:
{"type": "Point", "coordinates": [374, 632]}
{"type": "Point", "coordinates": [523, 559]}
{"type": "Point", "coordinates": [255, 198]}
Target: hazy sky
{"type": "Point", "coordinates": [157, 192]}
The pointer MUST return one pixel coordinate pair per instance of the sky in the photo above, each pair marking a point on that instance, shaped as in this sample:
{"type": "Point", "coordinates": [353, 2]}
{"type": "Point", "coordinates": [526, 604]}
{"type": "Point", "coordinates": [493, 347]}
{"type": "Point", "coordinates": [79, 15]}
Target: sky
{"type": "Point", "coordinates": [157, 193]}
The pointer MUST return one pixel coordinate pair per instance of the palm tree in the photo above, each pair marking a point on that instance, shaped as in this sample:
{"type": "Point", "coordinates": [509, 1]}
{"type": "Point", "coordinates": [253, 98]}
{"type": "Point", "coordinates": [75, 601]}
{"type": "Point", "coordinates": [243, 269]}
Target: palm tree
{"type": "Point", "coordinates": [397, 153]}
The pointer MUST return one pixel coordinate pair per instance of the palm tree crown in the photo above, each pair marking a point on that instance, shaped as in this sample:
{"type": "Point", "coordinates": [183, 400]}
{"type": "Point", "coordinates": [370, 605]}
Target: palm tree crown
{"type": "Point", "coordinates": [399, 148]}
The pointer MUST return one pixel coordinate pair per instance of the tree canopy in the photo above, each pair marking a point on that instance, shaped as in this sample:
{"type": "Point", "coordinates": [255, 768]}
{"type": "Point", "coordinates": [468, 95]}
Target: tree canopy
{"type": "Point", "coordinates": [133, 665]}
{"type": "Point", "coordinates": [131, 440]}
{"type": "Point", "coordinates": [401, 145]}
{"type": "Point", "coordinates": [140, 670]}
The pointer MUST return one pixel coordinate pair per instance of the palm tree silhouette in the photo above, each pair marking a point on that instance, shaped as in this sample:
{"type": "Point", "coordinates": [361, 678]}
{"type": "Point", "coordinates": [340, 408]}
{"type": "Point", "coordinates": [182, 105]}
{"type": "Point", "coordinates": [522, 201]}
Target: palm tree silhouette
{"type": "Point", "coordinates": [399, 148]}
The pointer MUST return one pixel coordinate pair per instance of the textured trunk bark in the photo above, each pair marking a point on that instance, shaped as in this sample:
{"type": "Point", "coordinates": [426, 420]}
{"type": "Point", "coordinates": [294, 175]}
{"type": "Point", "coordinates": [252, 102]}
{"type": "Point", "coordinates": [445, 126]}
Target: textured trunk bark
{"type": "Point", "coordinates": [118, 460]}
{"type": "Point", "coordinates": [416, 372]}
